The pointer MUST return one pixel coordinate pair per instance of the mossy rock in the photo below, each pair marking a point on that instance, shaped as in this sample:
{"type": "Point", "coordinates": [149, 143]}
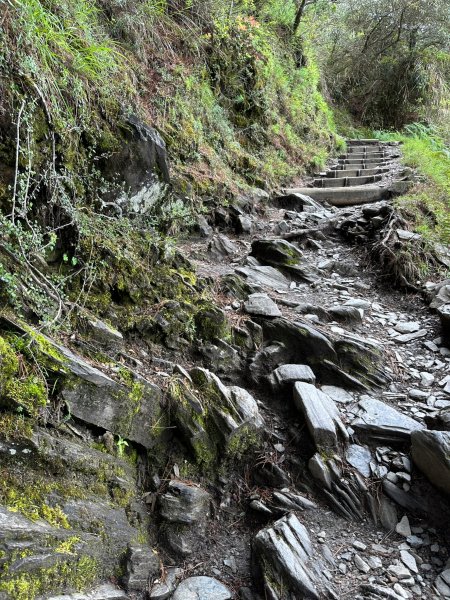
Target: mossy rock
{"type": "Point", "coordinates": [211, 323]}
{"type": "Point", "coordinates": [235, 286]}
{"type": "Point", "coordinates": [219, 423]}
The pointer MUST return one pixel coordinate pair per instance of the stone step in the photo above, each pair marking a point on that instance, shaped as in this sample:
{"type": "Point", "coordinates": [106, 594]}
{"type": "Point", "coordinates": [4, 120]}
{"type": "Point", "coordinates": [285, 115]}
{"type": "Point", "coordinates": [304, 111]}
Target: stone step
{"type": "Point", "coordinates": [357, 161]}
{"type": "Point", "coordinates": [364, 149]}
{"type": "Point", "coordinates": [344, 196]}
{"type": "Point", "coordinates": [367, 142]}
{"type": "Point", "coordinates": [346, 181]}
{"type": "Point", "coordinates": [374, 156]}
{"type": "Point", "coordinates": [355, 172]}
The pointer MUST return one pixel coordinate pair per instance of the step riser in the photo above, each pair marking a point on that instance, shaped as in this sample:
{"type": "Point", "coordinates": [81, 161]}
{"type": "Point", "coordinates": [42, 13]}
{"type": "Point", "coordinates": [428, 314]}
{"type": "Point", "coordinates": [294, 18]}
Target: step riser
{"type": "Point", "coordinates": [376, 164]}
{"type": "Point", "coordinates": [355, 172]}
{"type": "Point", "coordinates": [346, 181]}
{"type": "Point", "coordinates": [364, 150]}
{"type": "Point", "coordinates": [343, 196]}
{"type": "Point", "coordinates": [356, 156]}
{"type": "Point", "coordinates": [361, 163]}
{"type": "Point", "coordinates": [370, 142]}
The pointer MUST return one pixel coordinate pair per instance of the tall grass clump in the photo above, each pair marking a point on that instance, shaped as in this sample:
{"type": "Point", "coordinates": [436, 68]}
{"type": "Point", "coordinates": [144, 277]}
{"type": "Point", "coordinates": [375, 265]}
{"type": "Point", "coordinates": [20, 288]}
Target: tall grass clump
{"type": "Point", "coordinates": [428, 203]}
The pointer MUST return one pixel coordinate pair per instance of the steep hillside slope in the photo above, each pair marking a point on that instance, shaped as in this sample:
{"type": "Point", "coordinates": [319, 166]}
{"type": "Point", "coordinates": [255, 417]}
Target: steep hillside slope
{"type": "Point", "coordinates": [235, 96]}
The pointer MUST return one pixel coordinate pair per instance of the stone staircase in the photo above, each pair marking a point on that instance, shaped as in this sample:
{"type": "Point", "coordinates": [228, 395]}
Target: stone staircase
{"type": "Point", "coordinates": [357, 176]}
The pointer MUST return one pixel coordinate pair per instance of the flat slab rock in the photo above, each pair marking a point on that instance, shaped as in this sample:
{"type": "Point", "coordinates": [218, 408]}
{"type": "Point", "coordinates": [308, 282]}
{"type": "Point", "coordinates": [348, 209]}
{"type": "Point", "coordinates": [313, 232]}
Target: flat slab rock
{"type": "Point", "coordinates": [360, 458]}
{"type": "Point", "coordinates": [202, 588]}
{"type": "Point", "coordinates": [289, 374]}
{"type": "Point", "coordinates": [261, 305]}
{"type": "Point", "coordinates": [380, 420]}
{"type": "Point", "coordinates": [95, 398]}
{"type": "Point", "coordinates": [337, 394]}
{"type": "Point", "coordinates": [409, 337]}
{"type": "Point", "coordinates": [321, 414]}
{"type": "Point", "coordinates": [442, 583]}
{"type": "Point", "coordinates": [288, 561]}
{"type": "Point", "coordinates": [431, 453]}
{"type": "Point", "coordinates": [264, 276]}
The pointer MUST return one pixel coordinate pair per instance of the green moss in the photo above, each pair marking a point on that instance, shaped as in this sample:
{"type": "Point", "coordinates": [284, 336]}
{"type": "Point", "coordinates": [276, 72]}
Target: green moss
{"type": "Point", "coordinates": [122, 497]}
{"type": "Point", "coordinates": [36, 348]}
{"type": "Point", "coordinates": [142, 538]}
{"type": "Point", "coordinates": [205, 453]}
{"type": "Point", "coordinates": [30, 394]}
{"type": "Point", "coordinates": [194, 414]}
{"type": "Point", "coordinates": [25, 390]}
{"type": "Point", "coordinates": [243, 440]}
{"type": "Point", "coordinates": [9, 363]}
{"type": "Point", "coordinates": [68, 545]}
{"type": "Point", "coordinates": [64, 575]}
{"type": "Point", "coordinates": [142, 283]}
{"type": "Point", "coordinates": [45, 346]}
{"type": "Point", "coordinates": [211, 323]}
{"type": "Point", "coordinates": [15, 427]}
{"type": "Point", "coordinates": [30, 498]}
{"type": "Point", "coordinates": [131, 398]}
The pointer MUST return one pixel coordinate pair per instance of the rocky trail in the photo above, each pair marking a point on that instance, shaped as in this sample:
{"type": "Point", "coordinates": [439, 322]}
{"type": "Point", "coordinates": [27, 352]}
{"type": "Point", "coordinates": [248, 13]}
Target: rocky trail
{"type": "Point", "coordinates": [342, 381]}
{"type": "Point", "coordinates": [395, 545]}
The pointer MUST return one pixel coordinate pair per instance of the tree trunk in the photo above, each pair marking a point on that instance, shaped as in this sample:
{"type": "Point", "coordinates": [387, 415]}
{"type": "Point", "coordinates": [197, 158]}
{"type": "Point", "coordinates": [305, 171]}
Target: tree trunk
{"type": "Point", "coordinates": [299, 15]}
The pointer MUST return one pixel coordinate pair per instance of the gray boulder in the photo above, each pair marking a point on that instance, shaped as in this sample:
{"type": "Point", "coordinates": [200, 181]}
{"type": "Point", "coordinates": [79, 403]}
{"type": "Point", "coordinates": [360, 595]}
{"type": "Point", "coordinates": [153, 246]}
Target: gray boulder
{"type": "Point", "coordinates": [287, 375]}
{"type": "Point", "coordinates": [140, 168]}
{"type": "Point", "coordinates": [321, 414]}
{"type": "Point", "coordinates": [442, 583]}
{"type": "Point", "coordinates": [185, 509]}
{"type": "Point", "coordinates": [440, 294]}
{"type": "Point", "coordinates": [431, 453]}
{"type": "Point", "coordinates": [288, 563]}
{"type": "Point", "coordinates": [360, 458]}
{"type": "Point", "coordinates": [380, 421]}
{"type": "Point", "coordinates": [284, 255]}
{"type": "Point", "coordinates": [264, 276]}
{"type": "Point", "coordinates": [222, 358]}
{"type": "Point", "coordinates": [203, 226]}
{"type": "Point", "coordinates": [202, 588]}
{"type": "Point", "coordinates": [348, 314]}
{"type": "Point", "coordinates": [184, 503]}
{"type": "Point", "coordinates": [130, 410]}
{"type": "Point", "coordinates": [101, 334]}
{"type": "Point", "coordinates": [362, 358]}
{"type": "Point", "coordinates": [349, 361]}
{"type": "Point", "coordinates": [244, 224]}
{"type": "Point", "coordinates": [279, 251]}
{"type": "Point", "coordinates": [142, 564]}
{"type": "Point", "coordinates": [266, 360]}
{"type": "Point", "coordinates": [221, 247]}
{"type": "Point", "coordinates": [163, 587]}
{"type": "Point", "coordinates": [302, 341]}
{"type": "Point", "coordinates": [261, 305]}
